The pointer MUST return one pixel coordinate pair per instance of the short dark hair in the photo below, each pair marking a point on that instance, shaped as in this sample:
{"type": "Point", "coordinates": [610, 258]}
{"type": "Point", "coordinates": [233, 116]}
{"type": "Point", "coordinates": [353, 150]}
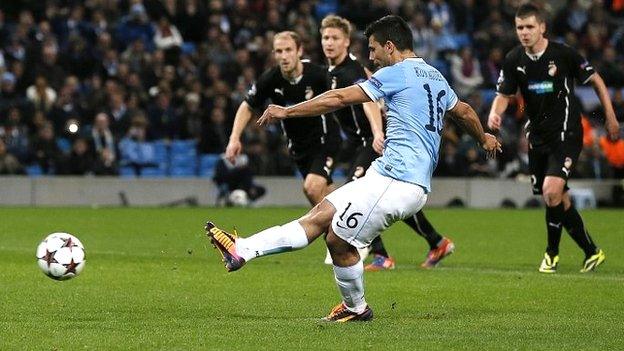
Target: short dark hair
{"type": "Point", "coordinates": [529, 9]}
{"type": "Point", "coordinates": [391, 28]}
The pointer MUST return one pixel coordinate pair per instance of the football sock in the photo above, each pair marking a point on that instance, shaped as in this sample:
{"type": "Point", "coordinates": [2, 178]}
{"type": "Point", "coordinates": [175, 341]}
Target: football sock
{"type": "Point", "coordinates": [554, 219]}
{"type": "Point", "coordinates": [282, 238]}
{"type": "Point", "coordinates": [573, 223]}
{"type": "Point", "coordinates": [350, 281]}
{"type": "Point", "coordinates": [377, 247]}
{"type": "Point", "coordinates": [423, 227]}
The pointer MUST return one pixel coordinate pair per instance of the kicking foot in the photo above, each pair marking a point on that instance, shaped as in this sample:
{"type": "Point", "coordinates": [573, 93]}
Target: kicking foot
{"type": "Point", "coordinates": [226, 244]}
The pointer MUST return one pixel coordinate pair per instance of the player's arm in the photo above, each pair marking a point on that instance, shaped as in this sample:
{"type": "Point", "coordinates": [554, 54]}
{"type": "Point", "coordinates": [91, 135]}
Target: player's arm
{"type": "Point", "coordinates": [373, 110]}
{"type": "Point", "coordinates": [373, 114]}
{"type": "Point", "coordinates": [467, 118]}
{"type": "Point", "coordinates": [242, 118]}
{"type": "Point", "coordinates": [329, 101]}
{"type": "Point", "coordinates": [499, 105]}
{"type": "Point", "coordinates": [611, 123]}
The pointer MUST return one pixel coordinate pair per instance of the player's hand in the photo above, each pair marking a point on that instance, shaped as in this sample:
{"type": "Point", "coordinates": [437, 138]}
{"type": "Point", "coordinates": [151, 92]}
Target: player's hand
{"type": "Point", "coordinates": [232, 150]}
{"type": "Point", "coordinates": [613, 128]}
{"type": "Point", "coordinates": [378, 143]}
{"type": "Point", "coordinates": [494, 121]}
{"type": "Point", "coordinates": [491, 145]}
{"type": "Point", "coordinates": [272, 112]}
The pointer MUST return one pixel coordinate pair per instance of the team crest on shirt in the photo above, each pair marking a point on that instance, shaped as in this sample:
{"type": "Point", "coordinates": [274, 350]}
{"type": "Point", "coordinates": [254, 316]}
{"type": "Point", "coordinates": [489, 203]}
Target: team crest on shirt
{"type": "Point", "coordinates": [552, 68]}
{"type": "Point", "coordinates": [567, 163]}
{"type": "Point", "coordinates": [329, 163]}
{"type": "Point", "coordinates": [309, 93]}
{"type": "Point", "coordinates": [252, 91]}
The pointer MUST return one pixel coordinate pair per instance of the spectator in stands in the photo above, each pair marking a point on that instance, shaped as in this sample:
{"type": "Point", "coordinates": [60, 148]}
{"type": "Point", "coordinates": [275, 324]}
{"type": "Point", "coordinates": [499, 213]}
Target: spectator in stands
{"type": "Point", "coordinates": [8, 95]}
{"type": "Point", "coordinates": [44, 150]}
{"type": "Point", "coordinates": [611, 68]}
{"type": "Point", "coordinates": [163, 120]}
{"type": "Point", "coordinates": [168, 39]}
{"type": "Point", "coordinates": [135, 151]}
{"type": "Point", "coordinates": [492, 67]}
{"type": "Point", "coordinates": [238, 176]}
{"type": "Point", "coordinates": [14, 134]}
{"type": "Point", "coordinates": [192, 117]}
{"type": "Point", "coordinates": [441, 13]}
{"type": "Point", "coordinates": [215, 134]}
{"type": "Point", "coordinates": [41, 94]}
{"type": "Point", "coordinates": [191, 20]}
{"type": "Point", "coordinates": [103, 145]}
{"type": "Point", "coordinates": [119, 113]}
{"type": "Point", "coordinates": [466, 72]}
{"type": "Point", "coordinates": [8, 163]}
{"type": "Point", "coordinates": [79, 161]}
{"type": "Point", "coordinates": [424, 45]}
{"type": "Point", "coordinates": [135, 26]}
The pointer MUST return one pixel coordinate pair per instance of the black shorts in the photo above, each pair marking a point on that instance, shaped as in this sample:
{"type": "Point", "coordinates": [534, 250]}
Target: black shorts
{"type": "Point", "coordinates": [321, 163]}
{"type": "Point", "coordinates": [360, 155]}
{"type": "Point", "coordinates": [555, 159]}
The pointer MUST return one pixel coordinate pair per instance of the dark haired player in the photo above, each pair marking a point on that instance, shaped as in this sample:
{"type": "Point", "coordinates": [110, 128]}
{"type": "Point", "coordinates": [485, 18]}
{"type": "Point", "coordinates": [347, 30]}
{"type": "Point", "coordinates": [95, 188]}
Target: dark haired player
{"type": "Point", "coordinates": [544, 72]}
{"type": "Point", "coordinates": [364, 139]}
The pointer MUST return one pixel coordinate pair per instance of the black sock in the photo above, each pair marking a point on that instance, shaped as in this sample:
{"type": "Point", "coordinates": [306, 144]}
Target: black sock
{"type": "Point", "coordinates": [573, 223]}
{"type": "Point", "coordinates": [421, 225]}
{"type": "Point", "coordinates": [377, 247]}
{"type": "Point", "coordinates": [554, 220]}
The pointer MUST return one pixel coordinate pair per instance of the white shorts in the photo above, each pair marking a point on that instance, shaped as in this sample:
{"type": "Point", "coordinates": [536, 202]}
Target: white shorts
{"type": "Point", "coordinates": [367, 206]}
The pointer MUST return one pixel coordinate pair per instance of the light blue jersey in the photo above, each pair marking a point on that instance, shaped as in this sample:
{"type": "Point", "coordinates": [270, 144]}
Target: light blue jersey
{"type": "Point", "coordinates": [417, 96]}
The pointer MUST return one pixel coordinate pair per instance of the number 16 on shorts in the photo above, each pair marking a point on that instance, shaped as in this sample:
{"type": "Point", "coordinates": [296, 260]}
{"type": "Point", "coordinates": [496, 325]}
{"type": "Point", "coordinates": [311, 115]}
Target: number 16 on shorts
{"type": "Point", "coordinates": [349, 220]}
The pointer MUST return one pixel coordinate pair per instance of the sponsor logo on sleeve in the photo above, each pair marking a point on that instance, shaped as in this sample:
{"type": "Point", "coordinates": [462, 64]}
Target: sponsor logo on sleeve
{"type": "Point", "coordinates": [374, 81]}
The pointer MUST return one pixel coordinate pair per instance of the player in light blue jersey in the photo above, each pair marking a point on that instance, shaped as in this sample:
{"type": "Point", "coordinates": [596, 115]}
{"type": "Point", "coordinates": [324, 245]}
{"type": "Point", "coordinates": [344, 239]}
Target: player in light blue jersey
{"type": "Point", "coordinates": [394, 187]}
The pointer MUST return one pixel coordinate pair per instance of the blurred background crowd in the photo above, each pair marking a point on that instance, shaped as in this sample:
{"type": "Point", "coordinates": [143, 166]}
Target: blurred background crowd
{"type": "Point", "coordinates": [150, 87]}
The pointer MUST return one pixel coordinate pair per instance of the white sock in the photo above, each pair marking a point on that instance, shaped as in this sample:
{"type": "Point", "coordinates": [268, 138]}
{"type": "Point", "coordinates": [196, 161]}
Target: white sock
{"type": "Point", "coordinates": [282, 238]}
{"type": "Point", "coordinates": [350, 281]}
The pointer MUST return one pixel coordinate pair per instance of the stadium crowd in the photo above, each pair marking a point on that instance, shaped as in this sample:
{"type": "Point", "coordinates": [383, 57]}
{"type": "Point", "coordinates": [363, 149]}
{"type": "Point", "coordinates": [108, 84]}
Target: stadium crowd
{"type": "Point", "coordinates": [149, 87]}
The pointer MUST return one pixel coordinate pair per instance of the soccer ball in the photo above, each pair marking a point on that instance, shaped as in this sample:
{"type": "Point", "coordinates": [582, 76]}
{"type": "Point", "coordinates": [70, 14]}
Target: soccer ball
{"type": "Point", "coordinates": [239, 198]}
{"type": "Point", "coordinates": [61, 256]}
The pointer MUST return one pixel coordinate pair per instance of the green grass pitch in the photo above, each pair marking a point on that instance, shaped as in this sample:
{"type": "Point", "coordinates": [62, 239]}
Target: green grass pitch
{"type": "Point", "coordinates": [152, 281]}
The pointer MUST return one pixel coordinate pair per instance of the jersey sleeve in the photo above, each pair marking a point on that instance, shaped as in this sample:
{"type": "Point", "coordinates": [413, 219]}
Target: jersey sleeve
{"type": "Point", "coordinates": [384, 83]}
{"type": "Point", "coordinates": [258, 94]}
{"type": "Point", "coordinates": [581, 68]}
{"type": "Point", "coordinates": [451, 98]}
{"type": "Point", "coordinates": [507, 81]}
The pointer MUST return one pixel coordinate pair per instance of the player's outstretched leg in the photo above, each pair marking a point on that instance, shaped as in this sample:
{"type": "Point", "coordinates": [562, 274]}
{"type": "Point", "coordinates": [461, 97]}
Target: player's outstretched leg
{"type": "Point", "coordinates": [236, 250]}
{"type": "Point", "coordinates": [349, 275]}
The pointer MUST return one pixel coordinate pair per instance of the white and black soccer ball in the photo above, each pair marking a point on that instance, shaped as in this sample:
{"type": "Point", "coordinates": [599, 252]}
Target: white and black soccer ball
{"type": "Point", "coordinates": [239, 198]}
{"type": "Point", "coordinates": [61, 256]}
